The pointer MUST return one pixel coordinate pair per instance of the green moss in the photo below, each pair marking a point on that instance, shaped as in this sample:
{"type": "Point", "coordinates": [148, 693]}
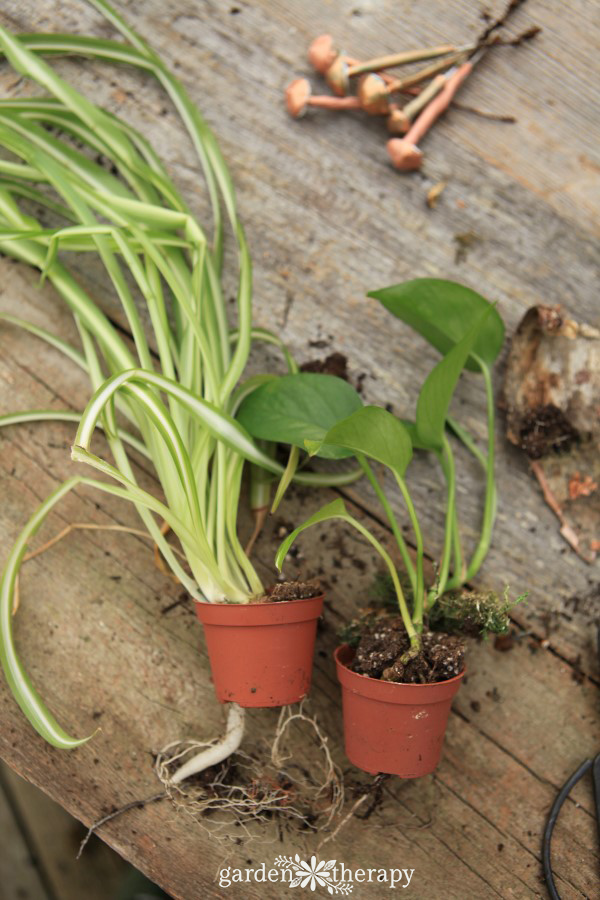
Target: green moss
{"type": "Point", "coordinates": [473, 613]}
{"type": "Point", "coordinates": [469, 613]}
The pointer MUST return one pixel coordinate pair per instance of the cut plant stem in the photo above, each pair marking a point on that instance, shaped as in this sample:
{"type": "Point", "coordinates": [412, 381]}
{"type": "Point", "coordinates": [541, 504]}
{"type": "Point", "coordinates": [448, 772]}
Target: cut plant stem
{"type": "Point", "coordinates": [322, 54]}
{"type": "Point", "coordinates": [404, 152]}
{"type": "Point", "coordinates": [400, 59]}
{"type": "Point", "coordinates": [401, 84]}
{"type": "Point", "coordinates": [375, 94]}
{"type": "Point", "coordinates": [217, 752]}
{"type": "Point", "coordinates": [298, 97]}
{"type": "Point", "coordinates": [341, 70]}
{"type": "Point", "coordinates": [399, 120]}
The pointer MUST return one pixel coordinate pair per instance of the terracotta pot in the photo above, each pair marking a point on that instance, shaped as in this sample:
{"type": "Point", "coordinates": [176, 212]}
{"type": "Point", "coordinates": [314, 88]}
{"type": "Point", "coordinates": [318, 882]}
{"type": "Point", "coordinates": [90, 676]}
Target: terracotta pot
{"type": "Point", "coordinates": [394, 728]}
{"type": "Point", "coordinates": [261, 654]}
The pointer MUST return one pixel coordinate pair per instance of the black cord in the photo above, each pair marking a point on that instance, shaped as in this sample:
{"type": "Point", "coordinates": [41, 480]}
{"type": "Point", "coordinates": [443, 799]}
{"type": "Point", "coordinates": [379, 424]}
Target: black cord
{"type": "Point", "coordinates": [596, 783]}
{"type": "Point", "coordinates": [556, 808]}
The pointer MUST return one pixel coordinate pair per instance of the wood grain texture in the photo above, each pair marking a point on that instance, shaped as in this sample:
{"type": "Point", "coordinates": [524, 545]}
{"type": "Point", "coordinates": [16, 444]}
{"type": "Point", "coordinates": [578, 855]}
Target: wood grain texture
{"type": "Point", "coordinates": [327, 220]}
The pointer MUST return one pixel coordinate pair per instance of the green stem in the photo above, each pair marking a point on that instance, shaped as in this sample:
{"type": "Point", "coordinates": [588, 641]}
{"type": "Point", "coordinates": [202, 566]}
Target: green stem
{"type": "Point", "coordinates": [489, 510]}
{"type": "Point", "coordinates": [458, 562]}
{"type": "Point", "coordinates": [463, 435]}
{"type": "Point", "coordinates": [410, 628]}
{"type": "Point", "coordinates": [419, 604]}
{"type": "Point", "coordinates": [391, 519]}
{"type": "Point", "coordinates": [447, 462]}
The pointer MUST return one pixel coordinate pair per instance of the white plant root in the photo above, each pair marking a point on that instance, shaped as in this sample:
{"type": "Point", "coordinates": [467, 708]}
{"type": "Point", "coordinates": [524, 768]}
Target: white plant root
{"type": "Point", "coordinates": [213, 753]}
{"type": "Point", "coordinates": [248, 789]}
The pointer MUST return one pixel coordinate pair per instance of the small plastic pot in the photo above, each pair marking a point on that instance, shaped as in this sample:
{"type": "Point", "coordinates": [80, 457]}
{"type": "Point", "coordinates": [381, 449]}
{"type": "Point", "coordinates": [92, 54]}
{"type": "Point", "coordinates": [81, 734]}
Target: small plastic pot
{"type": "Point", "coordinates": [261, 654]}
{"type": "Point", "coordinates": [393, 728]}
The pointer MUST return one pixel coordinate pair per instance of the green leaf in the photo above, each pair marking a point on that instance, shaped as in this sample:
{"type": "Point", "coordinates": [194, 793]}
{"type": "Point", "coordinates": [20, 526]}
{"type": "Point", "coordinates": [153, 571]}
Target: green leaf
{"type": "Point", "coordinates": [437, 391]}
{"type": "Point", "coordinates": [443, 312]}
{"type": "Point", "coordinates": [221, 426]}
{"type": "Point", "coordinates": [411, 428]}
{"type": "Point", "coordinates": [376, 433]}
{"type": "Point", "coordinates": [286, 478]}
{"type": "Point", "coordinates": [23, 690]}
{"type": "Point", "coordinates": [299, 407]}
{"type": "Point", "coordinates": [334, 510]}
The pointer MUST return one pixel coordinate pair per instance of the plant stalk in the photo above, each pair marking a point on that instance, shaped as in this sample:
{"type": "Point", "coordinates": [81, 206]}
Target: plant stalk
{"type": "Point", "coordinates": [408, 563]}
{"type": "Point", "coordinates": [419, 603]}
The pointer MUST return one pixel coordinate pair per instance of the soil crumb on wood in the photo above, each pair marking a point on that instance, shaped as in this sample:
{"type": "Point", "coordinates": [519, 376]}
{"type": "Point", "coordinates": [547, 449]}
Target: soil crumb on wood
{"type": "Point", "coordinates": [383, 643]}
{"type": "Point", "coordinates": [291, 590]}
{"type": "Point", "coordinates": [334, 364]}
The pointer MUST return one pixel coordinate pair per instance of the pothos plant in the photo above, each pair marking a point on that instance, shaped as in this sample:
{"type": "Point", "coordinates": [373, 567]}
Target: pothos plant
{"type": "Point", "coordinates": [172, 393]}
{"type": "Point", "coordinates": [468, 330]}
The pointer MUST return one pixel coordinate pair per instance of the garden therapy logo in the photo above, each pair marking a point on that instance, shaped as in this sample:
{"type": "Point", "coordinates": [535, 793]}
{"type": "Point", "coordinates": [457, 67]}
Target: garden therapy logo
{"type": "Point", "coordinates": [313, 874]}
{"type": "Point", "coordinates": [334, 876]}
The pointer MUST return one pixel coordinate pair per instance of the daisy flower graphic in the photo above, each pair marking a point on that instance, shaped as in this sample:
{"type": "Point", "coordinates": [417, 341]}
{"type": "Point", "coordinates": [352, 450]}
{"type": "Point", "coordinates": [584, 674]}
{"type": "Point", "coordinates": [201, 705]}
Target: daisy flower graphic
{"type": "Point", "coordinates": [312, 875]}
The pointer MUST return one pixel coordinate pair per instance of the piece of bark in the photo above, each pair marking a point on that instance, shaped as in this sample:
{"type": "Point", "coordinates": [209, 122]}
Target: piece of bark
{"type": "Point", "coordinates": [552, 399]}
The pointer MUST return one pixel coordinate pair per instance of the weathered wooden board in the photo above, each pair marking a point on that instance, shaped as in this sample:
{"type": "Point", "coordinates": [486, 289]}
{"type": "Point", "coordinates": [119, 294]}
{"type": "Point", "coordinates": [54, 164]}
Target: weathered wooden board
{"type": "Point", "coordinates": [501, 768]}
{"type": "Point", "coordinates": [327, 220]}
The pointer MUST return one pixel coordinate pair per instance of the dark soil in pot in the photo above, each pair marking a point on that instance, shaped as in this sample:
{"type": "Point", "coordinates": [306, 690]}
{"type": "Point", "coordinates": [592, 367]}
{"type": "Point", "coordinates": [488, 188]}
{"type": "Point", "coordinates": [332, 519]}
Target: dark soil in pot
{"type": "Point", "coordinates": [290, 590]}
{"type": "Point", "coordinates": [384, 642]}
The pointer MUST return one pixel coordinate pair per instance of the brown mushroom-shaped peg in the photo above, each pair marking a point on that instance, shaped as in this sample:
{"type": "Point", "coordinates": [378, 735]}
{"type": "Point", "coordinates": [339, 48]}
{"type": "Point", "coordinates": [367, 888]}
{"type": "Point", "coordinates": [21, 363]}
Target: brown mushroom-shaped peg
{"type": "Point", "coordinates": [397, 121]}
{"type": "Point", "coordinates": [405, 155]}
{"type": "Point", "coordinates": [298, 96]}
{"type": "Point", "coordinates": [322, 53]}
{"type": "Point", "coordinates": [343, 68]}
{"type": "Point", "coordinates": [374, 96]}
{"type": "Point", "coordinates": [404, 152]}
{"type": "Point", "coordinates": [337, 78]}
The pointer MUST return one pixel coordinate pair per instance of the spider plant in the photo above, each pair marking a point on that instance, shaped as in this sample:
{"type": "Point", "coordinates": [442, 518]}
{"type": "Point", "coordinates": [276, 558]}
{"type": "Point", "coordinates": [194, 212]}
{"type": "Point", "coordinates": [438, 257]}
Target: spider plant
{"type": "Point", "coordinates": [468, 329]}
{"type": "Point", "coordinates": [171, 394]}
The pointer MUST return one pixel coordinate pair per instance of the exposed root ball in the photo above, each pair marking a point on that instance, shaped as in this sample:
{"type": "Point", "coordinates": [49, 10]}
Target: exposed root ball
{"type": "Point", "coordinates": [257, 787]}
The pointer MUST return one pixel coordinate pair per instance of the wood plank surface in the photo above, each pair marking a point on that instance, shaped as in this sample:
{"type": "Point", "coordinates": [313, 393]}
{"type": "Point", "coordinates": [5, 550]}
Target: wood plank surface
{"type": "Point", "coordinates": [327, 220]}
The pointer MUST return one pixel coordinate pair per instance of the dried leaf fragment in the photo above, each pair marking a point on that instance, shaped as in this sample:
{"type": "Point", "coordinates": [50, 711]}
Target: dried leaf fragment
{"type": "Point", "coordinates": [434, 193]}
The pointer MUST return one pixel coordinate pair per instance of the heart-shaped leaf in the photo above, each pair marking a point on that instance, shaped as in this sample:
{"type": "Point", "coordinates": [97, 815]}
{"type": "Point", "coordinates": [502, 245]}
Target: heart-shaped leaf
{"type": "Point", "coordinates": [376, 433]}
{"type": "Point", "coordinates": [437, 391]}
{"type": "Point", "coordinates": [443, 312]}
{"type": "Point", "coordinates": [299, 407]}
